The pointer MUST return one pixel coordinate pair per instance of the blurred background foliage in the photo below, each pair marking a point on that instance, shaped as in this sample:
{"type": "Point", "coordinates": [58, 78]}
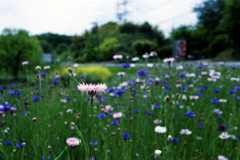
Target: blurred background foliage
{"type": "Point", "coordinates": [215, 35]}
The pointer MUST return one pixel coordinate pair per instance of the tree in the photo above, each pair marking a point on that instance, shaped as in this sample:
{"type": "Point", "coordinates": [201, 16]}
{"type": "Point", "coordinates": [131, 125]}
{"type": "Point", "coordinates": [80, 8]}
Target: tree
{"type": "Point", "coordinates": [62, 47]}
{"type": "Point", "coordinates": [142, 46]}
{"type": "Point", "coordinates": [17, 46]}
{"type": "Point", "coordinates": [230, 22]}
{"type": "Point", "coordinates": [107, 48]}
{"type": "Point", "coordinates": [209, 13]}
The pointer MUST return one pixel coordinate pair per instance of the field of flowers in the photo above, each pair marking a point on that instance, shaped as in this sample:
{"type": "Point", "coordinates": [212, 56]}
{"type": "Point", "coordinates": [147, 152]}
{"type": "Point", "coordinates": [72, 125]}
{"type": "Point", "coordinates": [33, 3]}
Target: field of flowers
{"type": "Point", "coordinates": [177, 112]}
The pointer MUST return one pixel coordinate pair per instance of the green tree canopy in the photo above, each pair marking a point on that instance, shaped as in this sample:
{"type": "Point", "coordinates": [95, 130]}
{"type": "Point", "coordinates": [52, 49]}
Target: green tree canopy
{"type": "Point", "coordinates": [17, 46]}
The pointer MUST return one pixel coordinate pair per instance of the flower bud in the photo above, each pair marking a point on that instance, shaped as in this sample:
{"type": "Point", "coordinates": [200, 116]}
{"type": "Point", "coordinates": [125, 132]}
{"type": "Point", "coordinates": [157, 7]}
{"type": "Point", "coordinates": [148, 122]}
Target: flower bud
{"type": "Point", "coordinates": [38, 68]}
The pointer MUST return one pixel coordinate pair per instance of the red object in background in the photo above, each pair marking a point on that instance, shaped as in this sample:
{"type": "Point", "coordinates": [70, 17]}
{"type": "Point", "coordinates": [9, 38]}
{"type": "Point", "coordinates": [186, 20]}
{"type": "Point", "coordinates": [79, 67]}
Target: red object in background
{"type": "Point", "coordinates": [37, 76]}
{"type": "Point", "coordinates": [181, 47]}
{"type": "Point", "coordinates": [57, 72]}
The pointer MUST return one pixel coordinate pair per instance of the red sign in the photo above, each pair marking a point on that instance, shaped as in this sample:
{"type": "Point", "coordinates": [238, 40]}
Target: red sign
{"type": "Point", "coordinates": [181, 48]}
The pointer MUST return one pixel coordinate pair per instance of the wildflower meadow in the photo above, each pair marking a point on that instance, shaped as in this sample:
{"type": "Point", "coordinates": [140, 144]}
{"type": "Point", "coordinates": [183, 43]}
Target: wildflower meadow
{"type": "Point", "coordinates": [172, 111]}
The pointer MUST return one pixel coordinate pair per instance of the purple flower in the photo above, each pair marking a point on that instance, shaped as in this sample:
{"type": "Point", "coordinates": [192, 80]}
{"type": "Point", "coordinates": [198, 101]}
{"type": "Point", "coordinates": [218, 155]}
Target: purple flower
{"type": "Point", "coordinates": [222, 127]}
{"type": "Point", "coordinates": [116, 122]}
{"type": "Point", "coordinates": [142, 73]}
{"type": "Point", "coordinates": [190, 114]}
{"type": "Point", "coordinates": [125, 136]}
{"type": "Point", "coordinates": [175, 140]}
{"type": "Point", "coordinates": [126, 65]}
{"type": "Point", "coordinates": [35, 99]}
{"type": "Point", "coordinates": [19, 145]}
{"type": "Point", "coordinates": [95, 143]}
{"type": "Point", "coordinates": [102, 115]}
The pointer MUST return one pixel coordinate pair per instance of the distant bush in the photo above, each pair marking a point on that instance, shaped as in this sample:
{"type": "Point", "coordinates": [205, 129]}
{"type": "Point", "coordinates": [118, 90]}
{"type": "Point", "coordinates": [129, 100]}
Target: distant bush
{"type": "Point", "coordinates": [94, 74]}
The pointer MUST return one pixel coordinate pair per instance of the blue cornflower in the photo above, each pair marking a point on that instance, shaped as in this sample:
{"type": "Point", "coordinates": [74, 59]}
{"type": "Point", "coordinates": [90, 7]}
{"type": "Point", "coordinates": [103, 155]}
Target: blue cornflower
{"type": "Point", "coordinates": [24, 112]}
{"type": "Point", "coordinates": [216, 90]}
{"type": "Point", "coordinates": [125, 135]}
{"type": "Point", "coordinates": [214, 101]}
{"type": "Point", "coordinates": [132, 83]}
{"type": "Point", "coordinates": [95, 143]}
{"type": "Point", "coordinates": [175, 140]}
{"type": "Point", "coordinates": [43, 158]}
{"type": "Point", "coordinates": [200, 124]}
{"type": "Point", "coordinates": [237, 87]}
{"type": "Point", "coordinates": [166, 85]}
{"type": "Point", "coordinates": [116, 122]}
{"type": "Point", "coordinates": [102, 115]}
{"type": "Point", "coordinates": [136, 110]}
{"type": "Point", "coordinates": [55, 81]}
{"type": "Point", "coordinates": [35, 99]}
{"type": "Point", "coordinates": [126, 65]}
{"type": "Point", "coordinates": [182, 75]}
{"type": "Point", "coordinates": [238, 136]}
{"type": "Point", "coordinates": [149, 113]}
{"type": "Point", "coordinates": [7, 143]}
{"type": "Point", "coordinates": [19, 145]}
{"type": "Point", "coordinates": [219, 117]}
{"type": "Point", "coordinates": [200, 67]}
{"type": "Point", "coordinates": [157, 105]}
{"type": "Point", "coordinates": [234, 67]}
{"type": "Point", "coordinates": [142, 73]}
{"type": "Point", "coordinates": [201, 88]}
{"type": "Point", "coordinates": [199, 94]}
{"type": "Point", "coordinates": [82, 76]}
{"type": "Point", "coordinates": [184, 88]}
{"type": "Point", "coordinates": [11, 92]}
{"type": "Point", "coordinates": [150, 80]}
{"type": "Point", "coordinates": [119, 91]}
{"type": "Point", "coordinates": [43, 74]}
{"type": "Point", "coordinates": [190, 114]}
{"type": "Point", "coordinates": [111, 89]}
{"type": "Point", "coordinates": [232, 91]}
{"type": "Point", "coordinates": [68, 98]}
{"type": "Point", "coordinates": [18, 93]}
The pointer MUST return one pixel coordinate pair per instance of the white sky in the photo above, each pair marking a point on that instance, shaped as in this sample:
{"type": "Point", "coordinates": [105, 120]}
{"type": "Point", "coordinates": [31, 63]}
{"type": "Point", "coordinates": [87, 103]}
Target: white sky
{"type": "Point", "coordinates": [72, 17]}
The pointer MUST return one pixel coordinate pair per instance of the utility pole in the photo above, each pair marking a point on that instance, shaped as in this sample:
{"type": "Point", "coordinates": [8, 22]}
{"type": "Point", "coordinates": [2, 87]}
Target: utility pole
{"type": "Point", "coordinates": [122, 11]}
{"type": "Point", "coordinates": [97, 41]}
{"type": "Point", "coordinates": [173, 44]}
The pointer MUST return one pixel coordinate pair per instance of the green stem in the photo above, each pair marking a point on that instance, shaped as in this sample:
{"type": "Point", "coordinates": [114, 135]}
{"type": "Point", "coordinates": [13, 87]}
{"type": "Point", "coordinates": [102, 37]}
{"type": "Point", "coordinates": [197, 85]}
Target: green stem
{"type": "Point", "coordinates": [92, 127]}
{"type": "Point", "coordinates": [75, 78]}
{"type": "Point", "coordinates": [61, 153]}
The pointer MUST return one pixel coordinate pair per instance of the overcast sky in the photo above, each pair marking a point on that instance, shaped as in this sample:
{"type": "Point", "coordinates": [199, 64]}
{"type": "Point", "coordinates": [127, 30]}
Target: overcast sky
{"type": "Point", "coordinates": [72, 17]}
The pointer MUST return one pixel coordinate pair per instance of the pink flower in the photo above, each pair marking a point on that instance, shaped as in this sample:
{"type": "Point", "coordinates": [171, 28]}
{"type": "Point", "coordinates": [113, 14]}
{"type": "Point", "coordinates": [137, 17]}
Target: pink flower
{"type": "Point", "coordinates": [194, 97]}
{"type": "Point", "coordinates": [214, 74]}
{"type": "Point", "coordinates": [223, 100]}
{"type": "Point", "coordinates": [117, 115]}
{"type": "Point", "coordinates": [185, 131]}
{"type": "Point", "coordinates": [63, 100]}
{"type": "Point", "coordinates": [72, 128]}
{"type": "Point", "coordinates": [224, 135]}
{"type": "Point", "coordinates": [121, 73]}
{"type": "Point", "coordinates": [168, 60]}
{"type": "Point", "coordinates": [220, 157]}
{"type": "Point", "coordinates": [184, 97]}
{"type": "Point", "coordinates": [217, 111]}
{"type": "Point", "coordinates": [235, 79]}
{"type": "Point", "coordinates": [117, 57]}
{"type": "Point", "coordinates": [153, 53]}
{"type": "Point", "coordinates": [204, 73]}
{"type": "Point", "coordinates": [199, 138]}
{"type": "Point", "coordinates": [25, 63]}
{"type": "Point", "coordinates": [72, 142]}
{"type": "Point", "coordinates": [211, 80]}
{"type": "Point", "coordinates": [46, 67]}
{"type": "Point", "coordinates": [92, 88]}
{"type": "Point", "coordinates": [69, 111]}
